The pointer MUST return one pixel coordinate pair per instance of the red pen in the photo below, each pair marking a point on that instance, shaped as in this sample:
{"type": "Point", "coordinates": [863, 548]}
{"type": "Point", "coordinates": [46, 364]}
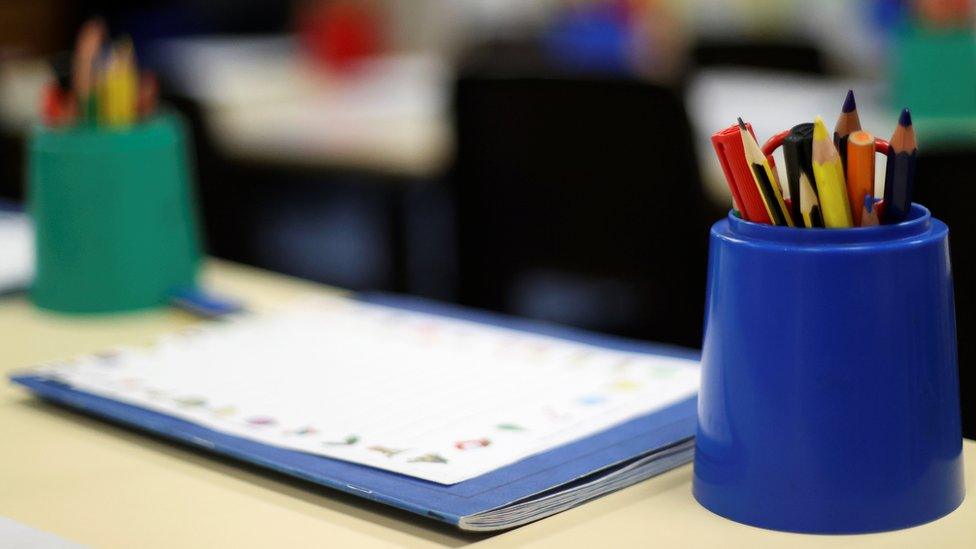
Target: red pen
{"type": "Point", "coordinates": [57, 106]}
{"type": "Point", "coordinates": [738, 175]}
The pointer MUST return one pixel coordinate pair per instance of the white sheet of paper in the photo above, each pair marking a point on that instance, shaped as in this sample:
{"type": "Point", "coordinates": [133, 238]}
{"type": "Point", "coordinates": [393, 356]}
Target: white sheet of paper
{"type": "Point", "coordinates": [16, 251]}
{"type": "Point", "coordinates": [20, 536]}
{"type": "Point", "coordinates": [430, 397]}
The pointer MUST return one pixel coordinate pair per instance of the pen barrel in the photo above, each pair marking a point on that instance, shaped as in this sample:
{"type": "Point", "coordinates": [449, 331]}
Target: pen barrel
{"type": "Point", "coordinates": [114, 214]}
{"type": "Point", "coordinates": [829, 400]}
{"type": "Point", "coordinates": [798, 155]}
{"type": "Point", "coordinates": [732, 157]}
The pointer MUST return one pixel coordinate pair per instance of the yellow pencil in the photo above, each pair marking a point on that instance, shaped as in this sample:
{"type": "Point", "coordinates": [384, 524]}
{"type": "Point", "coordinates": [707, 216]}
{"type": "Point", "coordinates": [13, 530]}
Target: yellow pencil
{"type": "Point", "coordinates": [829, 173]}
{"type": "Point", "coordinates": [809, 205]}
{"type": "Point", "coordinates": [765, 179]}
{"type": "Point", "coordinates": [119, 87]}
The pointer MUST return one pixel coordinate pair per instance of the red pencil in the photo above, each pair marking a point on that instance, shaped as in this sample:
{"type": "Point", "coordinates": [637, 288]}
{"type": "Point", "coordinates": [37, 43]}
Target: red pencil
{"type": "Point", "coordinates": [147, 95]}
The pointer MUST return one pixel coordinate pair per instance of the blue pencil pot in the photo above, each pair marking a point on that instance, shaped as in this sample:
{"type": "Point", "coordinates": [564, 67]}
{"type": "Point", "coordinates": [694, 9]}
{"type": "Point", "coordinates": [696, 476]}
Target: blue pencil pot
{"type": "Point", "coordinates": [830, 397]}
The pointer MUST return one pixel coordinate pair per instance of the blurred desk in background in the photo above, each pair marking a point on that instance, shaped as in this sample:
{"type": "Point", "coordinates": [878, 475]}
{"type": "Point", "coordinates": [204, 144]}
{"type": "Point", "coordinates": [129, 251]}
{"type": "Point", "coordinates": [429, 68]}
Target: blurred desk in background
{"type": "Point", "coordinates": [261, 100]}
{"type": "Point", "coordinates": [328, 176]}
{"type": "Point", "coordinates": [99, 484]}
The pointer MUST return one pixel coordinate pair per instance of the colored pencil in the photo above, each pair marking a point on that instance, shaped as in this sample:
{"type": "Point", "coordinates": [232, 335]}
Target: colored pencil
{"type": "Point", "coordinates": [88, 46]}
{"type": "Point", "coordinates": [798, 154]}
{"type": "Point", "coordinates": [809, 204]}
{"type": "Point", "coordinates": [96, 84]}
{"type": "Point", "coordinates": [148, 95]}
{"type": "Point", "coordinates": [829, 175]}
{"type": "Point", "coordinates": [765, 179]}
{"type": "Point", "coordinates": [860, 171]}
{"type": "Point", "coordinates": [900, 170]}
{"type": "Point", "coordinates": [118, 88]}
{"type": "Point", "coordinates": [128, 82]}
{"type": "Point", "coordinates": [58, 106]}
{"type": "Point", "coordinates": [869, 212]}
{"type": "Point", "coordinates": [847, 123]}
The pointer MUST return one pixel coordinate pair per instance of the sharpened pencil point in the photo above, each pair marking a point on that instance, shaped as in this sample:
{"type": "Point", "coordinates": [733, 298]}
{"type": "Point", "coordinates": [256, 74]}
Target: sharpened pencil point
{"type": "Point", "coordinates": [819, 129]}
{"type": "Point", "coordinates": [849, 104]}
{"type": "Point", "coordinates": [741, 123]}
{"type": "Point", "coordinates": [905, 119]}
{"type": "Point", "coordinates": [868, 203]}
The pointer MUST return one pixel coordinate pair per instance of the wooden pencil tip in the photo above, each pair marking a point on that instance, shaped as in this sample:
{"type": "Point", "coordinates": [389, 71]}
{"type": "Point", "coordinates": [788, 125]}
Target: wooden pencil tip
{"type": "Point", "coordinates": [742, 124]}
{"type": "Point", "coordinates": [819, 129]}
{"type": "Point", "coordinates": [93, 26]}
{"type": "Point", "coordinates": [849, 104]}
{"type": "Point", "coordinates": [868, 203]}
{"type": "Point", "coordinates": [905, 119]}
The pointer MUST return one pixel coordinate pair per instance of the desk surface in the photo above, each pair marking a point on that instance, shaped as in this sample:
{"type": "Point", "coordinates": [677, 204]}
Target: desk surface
{"type": "Point", "coordinates": [106, 486]}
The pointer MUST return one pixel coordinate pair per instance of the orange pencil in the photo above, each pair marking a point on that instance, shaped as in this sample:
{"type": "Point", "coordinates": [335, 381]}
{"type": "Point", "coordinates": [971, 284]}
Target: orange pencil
{"type": "Point", "coordinates": [89, 44]}
{"type": "Point", "coordinates": [860, 171]}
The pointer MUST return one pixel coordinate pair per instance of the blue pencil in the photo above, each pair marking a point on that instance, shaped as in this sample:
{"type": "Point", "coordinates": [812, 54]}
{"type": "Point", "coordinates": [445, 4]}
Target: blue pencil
{"type": "Point", "coordinates": [900, 171]}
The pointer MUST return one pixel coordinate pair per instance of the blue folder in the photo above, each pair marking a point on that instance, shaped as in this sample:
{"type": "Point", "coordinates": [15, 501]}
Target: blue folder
{"type": "Point", "coordinates": [666, 433]}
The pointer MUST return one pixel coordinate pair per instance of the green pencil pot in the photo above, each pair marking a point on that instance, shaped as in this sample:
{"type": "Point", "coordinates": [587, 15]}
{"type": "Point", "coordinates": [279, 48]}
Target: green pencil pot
{"type": "Point", "coordinates": [114, 214]}
{"type": "Point", "coordinates": [934, 72]}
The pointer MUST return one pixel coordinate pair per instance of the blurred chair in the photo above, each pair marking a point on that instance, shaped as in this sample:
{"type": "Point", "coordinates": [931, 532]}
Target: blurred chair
{"type": "Point", "coordinates": [339, 227]}
{"type": "Point", "coordinates": [799, 56]}
{"type": "Point", "coordinates": [943, 184]}
{"type": "Point", "coordinates": [579, 201]}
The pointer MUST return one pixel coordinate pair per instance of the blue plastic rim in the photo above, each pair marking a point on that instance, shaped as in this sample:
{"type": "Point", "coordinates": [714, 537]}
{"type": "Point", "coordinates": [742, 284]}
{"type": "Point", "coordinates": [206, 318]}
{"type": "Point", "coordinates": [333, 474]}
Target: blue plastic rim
{"type": "Point", "coordinates": [830, 397]}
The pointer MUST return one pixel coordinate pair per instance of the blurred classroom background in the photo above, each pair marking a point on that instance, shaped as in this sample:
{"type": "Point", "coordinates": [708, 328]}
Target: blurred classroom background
{"type": "Point", "coordinates": [548, 159]}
